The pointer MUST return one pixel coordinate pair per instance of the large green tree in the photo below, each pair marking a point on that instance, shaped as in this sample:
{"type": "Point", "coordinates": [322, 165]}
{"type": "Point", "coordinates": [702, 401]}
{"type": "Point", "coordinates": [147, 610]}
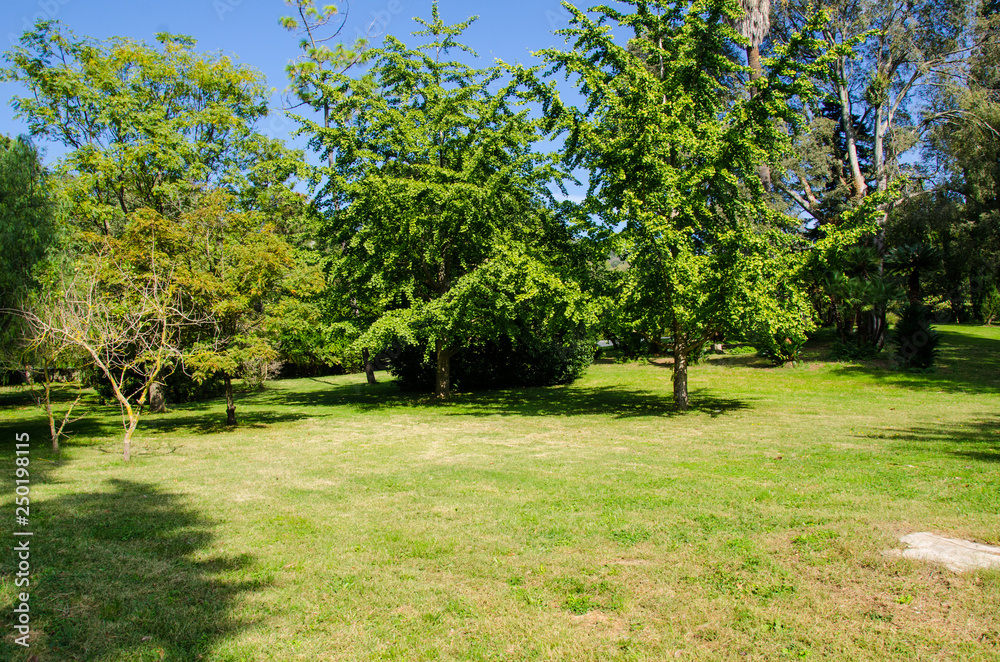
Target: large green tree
{"type": "Point", "coordinates": [145, 126]}
{"type": "Point", "coordinates": [27, 217]}
{"type": "Point", "coordinates": [963, 222]}
{"type": "Point", "coordinates": [897, 50]}
{"type": "Point", "coordinates": [674, 157]}
{"type": "Point", "coordinates": [435, 200]}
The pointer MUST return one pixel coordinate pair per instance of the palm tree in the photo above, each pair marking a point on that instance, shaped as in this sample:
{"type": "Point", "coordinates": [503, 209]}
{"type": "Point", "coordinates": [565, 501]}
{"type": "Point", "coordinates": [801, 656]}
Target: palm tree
{"type": "Point", "coordinates": [910, 260]}
{"type": "Point", "coordinates": [754, 25]}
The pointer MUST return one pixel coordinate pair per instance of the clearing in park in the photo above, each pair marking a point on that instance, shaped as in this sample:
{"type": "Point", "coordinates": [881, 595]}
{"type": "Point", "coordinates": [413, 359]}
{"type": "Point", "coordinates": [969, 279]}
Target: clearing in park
{"type": "Point", "coordinates": [587, 522]}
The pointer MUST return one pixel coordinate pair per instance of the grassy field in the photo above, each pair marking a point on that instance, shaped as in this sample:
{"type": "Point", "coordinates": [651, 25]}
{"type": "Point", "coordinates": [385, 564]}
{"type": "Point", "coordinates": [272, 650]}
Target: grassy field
{"type": "Point", "coordinates": [589, 522]}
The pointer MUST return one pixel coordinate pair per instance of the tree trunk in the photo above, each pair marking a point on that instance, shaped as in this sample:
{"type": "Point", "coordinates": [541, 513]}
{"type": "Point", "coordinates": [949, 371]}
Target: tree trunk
{"type": "Point", "coordinates": [756, 71]}
{"type": "Point", "coordinates": [230, 405]}
{"type": "Point", "coordinates": [48, 411]}
{"type": "Point", "coordinates": [913, 293]}
{"type": "Point", "coordinates": [133, 422]}
{"type": "Point", "coordinates": [680, 374]}
{"type": "Point", "coordinates": [442, 382]}
{"type": "Point", "coordinates": [369, 366]}
{"type": "Point", "coordinates": [858, 184]}
{"type": "Point", "coordinates": [157, 398]}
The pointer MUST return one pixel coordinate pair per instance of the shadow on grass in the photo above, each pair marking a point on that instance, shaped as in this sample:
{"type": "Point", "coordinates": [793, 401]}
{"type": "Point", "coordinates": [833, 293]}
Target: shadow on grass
{"type": "Point", "coordinates": [124, 575]}
{"type": "Point", "coordinates": [281, 403]}
{"type": "Point", "coordinates": [967, 363]}
{"type": "Point", "coordinates": [740, 361]}
{"type": "Point", "coordinates": [615, 401]}
{"type": "Point", "coordinates": [976, 440]}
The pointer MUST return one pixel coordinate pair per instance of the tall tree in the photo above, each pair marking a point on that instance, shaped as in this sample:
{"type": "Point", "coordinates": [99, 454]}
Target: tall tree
{"type": "Point", "coordinates": [868, 119]}
{"type": "Point", "coordinates": [27, 224]}
{"type": "Point", "coordinates": [673, 160]}
{"type": "Point", "coordinates": [896, 50]}
{"type": "Point", "coordinates": [311, 75]}
{"type": "Point", "coordinates": [149, 131]}
{"type": "Point", "coordinates": [145, 126]}
{"type": "Point", "coordinates": [754, 26]}
{"type": "Point", "coordinates": [964, 222]}
{"type": "Point", "coordinates": [435, 198]}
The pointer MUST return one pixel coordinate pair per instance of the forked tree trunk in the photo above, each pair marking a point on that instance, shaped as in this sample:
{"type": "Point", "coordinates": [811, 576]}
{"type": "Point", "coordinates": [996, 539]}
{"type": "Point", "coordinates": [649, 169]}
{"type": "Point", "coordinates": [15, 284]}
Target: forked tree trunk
{"type": "Point", "coordinates": [230, 405]}
{"type": "Point", "coordinates": [133, 422]}
{"type": "Point", "coordinates": [680, 374]}
{"type": "Point", "coordinates": [442, 381]}
{"type": "Point", "coordinates": [369, 366]}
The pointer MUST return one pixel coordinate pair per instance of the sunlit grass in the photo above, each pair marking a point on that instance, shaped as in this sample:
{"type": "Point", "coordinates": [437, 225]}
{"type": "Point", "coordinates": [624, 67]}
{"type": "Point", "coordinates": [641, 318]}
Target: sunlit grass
{"type": "Point", "coordinates": [588, 522]}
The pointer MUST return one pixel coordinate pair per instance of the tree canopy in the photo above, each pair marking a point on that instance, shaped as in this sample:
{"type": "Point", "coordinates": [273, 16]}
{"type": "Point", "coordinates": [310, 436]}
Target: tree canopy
{"type": "Point", "coordinates": [435, 200]}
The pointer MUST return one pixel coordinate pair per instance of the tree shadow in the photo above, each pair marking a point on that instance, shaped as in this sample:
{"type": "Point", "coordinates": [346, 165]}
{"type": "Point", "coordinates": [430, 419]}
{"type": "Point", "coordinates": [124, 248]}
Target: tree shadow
{"type": "Point", "coordinates": [615, 401]}
{"type": "Point", "coordinates": [741, 361]}
{"type": "Point", "coordinates": [42, 462]}
{"type": "Point", "coordinates": [125, 574]}
{"type": "Point", "coordinates": [977, 440]}
{"type": "Point", "coordinates": [966, 364]}
{"type": "Point", "coordinates": [278, 404]}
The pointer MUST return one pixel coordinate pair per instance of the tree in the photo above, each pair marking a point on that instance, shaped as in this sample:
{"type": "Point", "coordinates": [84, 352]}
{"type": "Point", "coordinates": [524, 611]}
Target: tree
{"type": "Point", "coordinates": [434, 200]}
{"type": "Point", "coordinates": [145, 126]}
{"type": "Point", "coordinates": [909, 261]}
{"type": "Point", "coordinates": [895, 50]}
{"type": "Point", "coordinates": [123, 307]}
{"type": "Point", "coordinates": [27, 234]}
{"type": "Point", "coordinates": [311, 75]}
{"type": "Point", "coordinates": [41, 352]}
{"type": "Point", "coordinates": [964, 147]}
{"type": "Point", "coordinates": [673, 160]}
{"type": "Point", "coordinates": [28, 237]}
{"type": "Point", "coordinates": [234, 263]}
{"type": "Point", "coordinates": [27, 217]}
{"type": "Point", "coordinates": [754, 26]}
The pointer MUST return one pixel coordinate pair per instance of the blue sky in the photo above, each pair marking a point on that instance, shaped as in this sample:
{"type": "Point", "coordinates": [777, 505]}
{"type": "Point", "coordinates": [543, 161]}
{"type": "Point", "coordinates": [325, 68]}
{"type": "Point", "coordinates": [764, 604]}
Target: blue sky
{"type": "Point", "coordinates": [249, 29]}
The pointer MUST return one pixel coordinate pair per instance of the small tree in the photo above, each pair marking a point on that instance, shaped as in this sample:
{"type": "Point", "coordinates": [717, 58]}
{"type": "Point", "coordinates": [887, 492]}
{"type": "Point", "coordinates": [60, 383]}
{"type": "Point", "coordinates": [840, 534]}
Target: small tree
{"type": "Point", "coordinates": [234, 264]}
{"type": "Point", "coordinates": [123, 307]}
{"type": "Point", "coordinates": [45, 352]}
{"type": "Point", "coordinates": [916, 342]}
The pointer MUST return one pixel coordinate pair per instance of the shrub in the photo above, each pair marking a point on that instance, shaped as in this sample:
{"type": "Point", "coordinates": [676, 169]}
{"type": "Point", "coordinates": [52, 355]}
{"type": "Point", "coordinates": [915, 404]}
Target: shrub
{"type": "Point", "coordinates": [850, 351]}
{"type": "Point", "coordinates": [991, 306]}
{"type": "Point", "coordinates": [530, 361]}
{"type": "Point", "coordinates": [780, 348]}
{"type": "Point", "coordinates": [915, 341]}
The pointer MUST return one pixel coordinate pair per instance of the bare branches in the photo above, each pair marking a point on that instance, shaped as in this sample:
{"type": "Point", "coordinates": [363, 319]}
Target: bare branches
{"type": "Point", "coordinates": [125, 316]}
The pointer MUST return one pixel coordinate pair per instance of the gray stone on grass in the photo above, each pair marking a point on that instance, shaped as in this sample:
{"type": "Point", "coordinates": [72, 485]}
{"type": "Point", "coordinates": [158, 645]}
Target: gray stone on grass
{"type": "Point", "coordinates": [955, 554]}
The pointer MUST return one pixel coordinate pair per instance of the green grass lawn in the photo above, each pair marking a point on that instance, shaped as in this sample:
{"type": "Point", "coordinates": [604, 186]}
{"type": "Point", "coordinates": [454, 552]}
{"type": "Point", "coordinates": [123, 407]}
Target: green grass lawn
{"type": "Point", "coordinates": [588, 522]}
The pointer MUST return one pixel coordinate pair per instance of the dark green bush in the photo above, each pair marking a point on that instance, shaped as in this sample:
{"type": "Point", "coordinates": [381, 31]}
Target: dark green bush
{"type": "Point", "coordinates": [849, 351]}
{"type": "Point", "coordinates": [530, 361]}
{"type": "Point", "coordinates": [915, 341]}
{"type": "Point", "coordinates": [780, 349]}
